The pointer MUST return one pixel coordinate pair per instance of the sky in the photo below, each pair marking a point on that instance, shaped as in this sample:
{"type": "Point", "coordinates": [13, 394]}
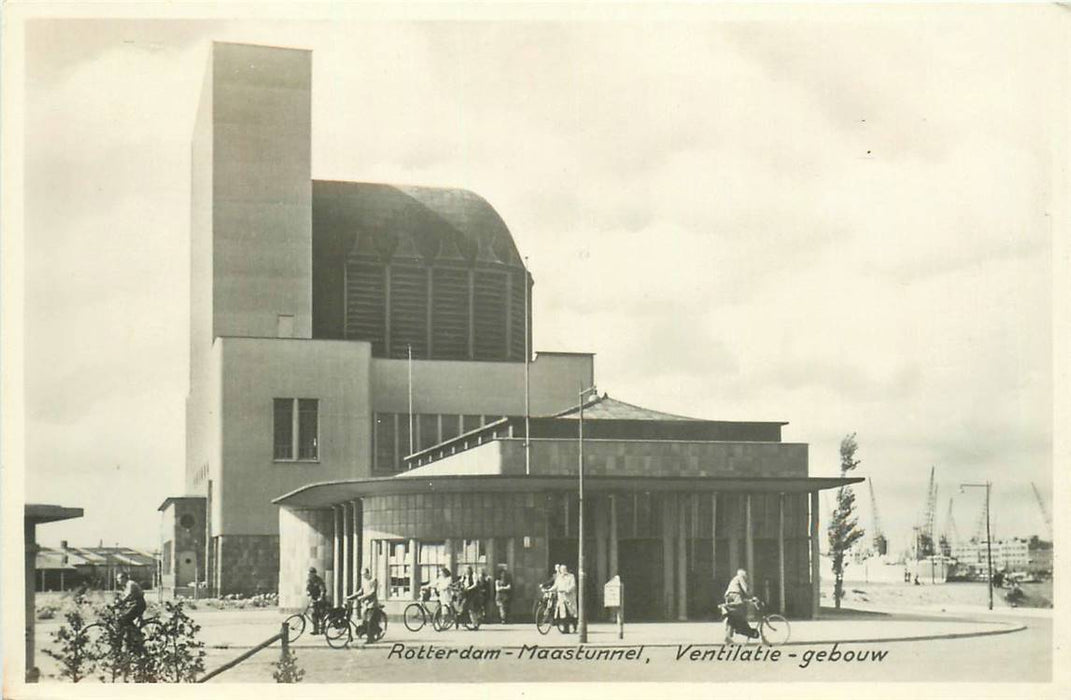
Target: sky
{"type": "Point", "coordinates": [841, 223]}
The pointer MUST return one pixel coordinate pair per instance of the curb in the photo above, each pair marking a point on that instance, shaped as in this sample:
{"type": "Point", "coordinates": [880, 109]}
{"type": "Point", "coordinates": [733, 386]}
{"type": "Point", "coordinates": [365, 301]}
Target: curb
{"type": "Point", "coordinates": [1008, 628]}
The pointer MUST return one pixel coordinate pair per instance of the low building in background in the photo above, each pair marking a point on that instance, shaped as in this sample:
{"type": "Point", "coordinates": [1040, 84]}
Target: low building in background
{"type": "Point", "coordinates": [67, 568]}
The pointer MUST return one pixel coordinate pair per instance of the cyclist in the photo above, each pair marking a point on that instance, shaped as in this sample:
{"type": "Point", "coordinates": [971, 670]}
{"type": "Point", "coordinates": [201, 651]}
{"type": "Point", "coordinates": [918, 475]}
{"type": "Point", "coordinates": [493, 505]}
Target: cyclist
{"type": "Point", "coordinates": [367, 598]}
{"type": "Point", "coordinates": [317, 591]}
{"type": "Point", "coordinates": [737, 597]}
{"type": "Point", "coordinates": [131, 601]}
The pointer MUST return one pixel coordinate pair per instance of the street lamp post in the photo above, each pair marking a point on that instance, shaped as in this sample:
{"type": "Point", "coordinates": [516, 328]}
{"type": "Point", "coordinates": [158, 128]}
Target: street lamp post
{"type": "Point", "coordinates": [582, 619]}
{"type": "Point", "coordinates": [988, 535]}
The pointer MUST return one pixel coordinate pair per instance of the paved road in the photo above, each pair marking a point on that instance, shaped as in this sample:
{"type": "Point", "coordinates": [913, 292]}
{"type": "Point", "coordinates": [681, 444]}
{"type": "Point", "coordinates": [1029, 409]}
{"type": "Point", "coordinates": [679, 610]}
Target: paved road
{"type": "Point", "coordinates": [1020, 656]}
{"type": "Point", "coordinates": [1024, 655]}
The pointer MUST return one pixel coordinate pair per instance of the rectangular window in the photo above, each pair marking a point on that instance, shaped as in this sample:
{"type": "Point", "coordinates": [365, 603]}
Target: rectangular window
{"type": "Point", "coordinates": [470, 553]}
{"type": "Point", "coordinates": [432, 557]}
{"type": "Point", "coordinates": [297, 429]}
{"type": "Point", "coordinates": [398, 567]}
{"type": "Point", "coordinates": [308, 429]}
{"type": "Point", "coordinates": [385, 442]}
{"type": "Point", "coordinates": [284, 428]}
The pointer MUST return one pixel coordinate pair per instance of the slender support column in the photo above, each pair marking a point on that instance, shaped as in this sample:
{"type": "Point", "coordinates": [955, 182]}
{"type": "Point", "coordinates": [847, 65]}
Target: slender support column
{"type": "Point", "coordinates": [383, 569]}
{"type": "Point", "coordinates": [714, 543]}
{"type": "Point", "coordinates": [669, 517]}
{"type": "Point", "coordinates": [599, 506]}
{"type": "Point", "coordinates": [414, 569]}
{"type": "Point", "coordinates": [682, 559]}
{"type": "Point", "coordinates": [450, 557]}
{"type": "Point", "coordinates": [345, 568]}
{"type": "Point", "coordinates": [357, 543]}
{"type": "Point", "coordinates": [816, 590]}
{"type": "Point", "coordinates": [613, 536]}
{"type": "Point", "coordinates": [336, 541]}
{"type": "Point", "coordinates": [781, 550]}
{"type": "Point", "coordinates": [749, 543]}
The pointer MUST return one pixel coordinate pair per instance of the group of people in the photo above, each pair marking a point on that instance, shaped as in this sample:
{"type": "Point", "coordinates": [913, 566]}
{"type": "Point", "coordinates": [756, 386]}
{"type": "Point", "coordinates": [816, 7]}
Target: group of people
{"type": "Point", "coordinates": [475, 594]}
{"type": "Point", "coordinates": [365, 599]}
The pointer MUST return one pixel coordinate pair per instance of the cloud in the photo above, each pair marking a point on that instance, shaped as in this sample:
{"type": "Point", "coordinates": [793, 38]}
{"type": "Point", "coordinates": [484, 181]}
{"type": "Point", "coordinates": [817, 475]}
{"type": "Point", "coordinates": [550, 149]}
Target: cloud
{"type": "Point", "coordinates": [839, 225]}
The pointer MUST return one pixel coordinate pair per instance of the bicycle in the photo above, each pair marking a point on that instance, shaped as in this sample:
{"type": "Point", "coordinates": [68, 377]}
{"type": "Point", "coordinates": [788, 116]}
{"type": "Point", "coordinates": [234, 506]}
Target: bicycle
{"type": "Point", "coordinates": [773, 628]}
{"type": "Point", "coordinates": [545, 613]}
{"type": "Point", "coordinates": [109, 634]}
{"type": "Point", "coordinates": [297, 622]}
{"type": "Point", "coordinates": [417, 614]}
{"type": "Point", "coordinates": [340, 629]}
{"type": "Point", "coordinates": [448, 616]}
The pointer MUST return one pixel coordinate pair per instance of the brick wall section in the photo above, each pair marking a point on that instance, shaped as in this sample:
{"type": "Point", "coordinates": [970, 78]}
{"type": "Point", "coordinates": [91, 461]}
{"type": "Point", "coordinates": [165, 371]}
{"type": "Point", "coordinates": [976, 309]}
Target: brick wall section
{"type": "Point", "coordinates": [249, 563]}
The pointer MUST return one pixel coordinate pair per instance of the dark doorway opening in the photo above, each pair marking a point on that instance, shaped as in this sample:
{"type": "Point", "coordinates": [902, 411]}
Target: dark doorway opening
{"type": "Point", "coordinates": [640, 567]}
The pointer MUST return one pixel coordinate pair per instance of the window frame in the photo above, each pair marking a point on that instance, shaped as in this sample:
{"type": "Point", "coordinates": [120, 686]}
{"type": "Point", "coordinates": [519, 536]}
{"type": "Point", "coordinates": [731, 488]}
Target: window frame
{"type": "Point", "coordinates": [295, 431]}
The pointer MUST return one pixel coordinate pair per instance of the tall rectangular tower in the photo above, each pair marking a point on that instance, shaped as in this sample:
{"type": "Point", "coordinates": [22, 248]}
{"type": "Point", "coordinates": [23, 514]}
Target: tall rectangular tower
{"type": "Point", "coordinates": [251, 217]}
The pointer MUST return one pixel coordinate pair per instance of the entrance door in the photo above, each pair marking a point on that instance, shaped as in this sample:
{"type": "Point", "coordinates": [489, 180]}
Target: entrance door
{"type": "Point", "coordinates": [640, 567]}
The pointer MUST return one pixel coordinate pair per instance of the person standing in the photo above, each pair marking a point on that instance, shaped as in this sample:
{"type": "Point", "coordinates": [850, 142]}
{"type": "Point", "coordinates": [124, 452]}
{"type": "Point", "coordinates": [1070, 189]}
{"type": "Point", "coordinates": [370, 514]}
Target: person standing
{"type": "Point", "coordinates": [565, 586]}
{"type": "Point", "coordinates": [503, 592]}
{"type": "Point", "coordinates": [317, 592]}
{"type": "Point", "coordinates": [367, 598]}
{"type": "Point", "coordinates": [470, 595]}
{"type": "Point", "coordinates": [487, 594]}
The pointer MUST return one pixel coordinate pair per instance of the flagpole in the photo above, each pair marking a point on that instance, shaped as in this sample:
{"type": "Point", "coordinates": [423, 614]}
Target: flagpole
{"type": "Point", "coordinates": [410, 350]}
{"type": "Point", "coordinates": [527, 358]}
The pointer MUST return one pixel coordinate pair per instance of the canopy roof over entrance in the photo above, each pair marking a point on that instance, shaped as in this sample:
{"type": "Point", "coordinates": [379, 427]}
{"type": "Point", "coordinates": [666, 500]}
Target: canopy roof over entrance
{"type": "Point", "coordinates": [331, 493]}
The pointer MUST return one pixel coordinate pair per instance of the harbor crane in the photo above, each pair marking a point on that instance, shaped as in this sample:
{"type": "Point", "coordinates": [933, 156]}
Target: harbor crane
{"type": "Point", "coordinates": [1044, 511]}
{"type": "Point", "coordinates": [924, 533]}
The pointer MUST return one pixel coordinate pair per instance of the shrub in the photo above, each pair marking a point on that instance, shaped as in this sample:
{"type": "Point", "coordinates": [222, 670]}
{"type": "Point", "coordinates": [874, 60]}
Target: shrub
{"type": "Point", "coordinates": [182, 657]}
{"type": "Point", "coordinates": [287, 669]}
{"type": "Point", "coordinates": [74, 655]}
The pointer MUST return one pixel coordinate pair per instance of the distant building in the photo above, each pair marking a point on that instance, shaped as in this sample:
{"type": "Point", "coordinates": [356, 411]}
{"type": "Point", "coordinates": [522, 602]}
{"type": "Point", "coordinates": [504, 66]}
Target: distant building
{"type": "Point", "coordinates": [67, 568]}
{"type": "Point", "coordinates": [1009, 554]}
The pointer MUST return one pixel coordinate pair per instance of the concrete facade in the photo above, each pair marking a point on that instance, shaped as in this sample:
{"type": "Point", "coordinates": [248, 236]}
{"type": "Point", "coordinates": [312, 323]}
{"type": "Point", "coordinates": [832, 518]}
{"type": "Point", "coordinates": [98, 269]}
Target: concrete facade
{"type": "Point", "coordinates": [265, 262]}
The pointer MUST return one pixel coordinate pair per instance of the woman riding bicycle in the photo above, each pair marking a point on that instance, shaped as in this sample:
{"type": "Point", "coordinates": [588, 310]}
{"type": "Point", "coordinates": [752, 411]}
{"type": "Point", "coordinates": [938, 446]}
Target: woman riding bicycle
{"type": "Point", "coordinates": [737, 597]}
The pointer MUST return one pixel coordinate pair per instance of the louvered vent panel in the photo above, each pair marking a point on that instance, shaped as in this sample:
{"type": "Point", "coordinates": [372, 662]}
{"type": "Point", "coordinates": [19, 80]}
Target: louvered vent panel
{"type": "Point", "coordinates": [408, 310]}
{"type": "Point", "coordinates": [450, 314]}
{"type": "Point", "coordinates": [490, 315]}
{"type": "Point", "coordinates": [365, 304]}
{"type": "Point", "coordinates": [516, 344]}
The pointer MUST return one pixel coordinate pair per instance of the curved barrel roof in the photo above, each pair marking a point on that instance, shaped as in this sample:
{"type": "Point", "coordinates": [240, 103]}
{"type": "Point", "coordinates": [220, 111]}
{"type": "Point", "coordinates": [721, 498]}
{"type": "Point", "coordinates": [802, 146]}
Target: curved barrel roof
{"type": "Point", "coordinates": [409, 221]}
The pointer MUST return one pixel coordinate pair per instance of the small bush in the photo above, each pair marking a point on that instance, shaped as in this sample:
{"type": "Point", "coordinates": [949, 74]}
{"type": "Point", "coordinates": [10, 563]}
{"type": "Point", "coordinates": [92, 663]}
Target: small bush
{"type": "Point", "coordinates": [287, 669]}
{"type": "Point", "coordinates": [74, 655]}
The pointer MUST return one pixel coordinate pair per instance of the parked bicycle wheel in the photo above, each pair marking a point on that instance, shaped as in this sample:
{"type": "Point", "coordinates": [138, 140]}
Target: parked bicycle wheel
{"type": "Point", "coordinates": [338, 633]}
{"type": "Point", "coordinates": [414, 617]}
{"type": "Point", "coordinates": [544, 617]}
{"type": "Point", "coordinates": [444, 618]}
{"type": "Point", "coordinates": [296, 626]}
{"type": "Point", "coordinates": [774, 629]}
